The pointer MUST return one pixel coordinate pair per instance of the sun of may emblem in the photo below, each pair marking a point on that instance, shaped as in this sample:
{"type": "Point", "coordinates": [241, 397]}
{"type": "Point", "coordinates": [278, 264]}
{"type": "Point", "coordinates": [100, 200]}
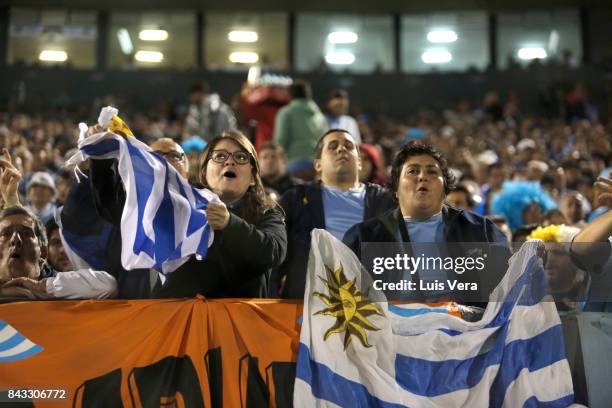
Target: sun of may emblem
{"type": "Point", "coordinates": [348, 305]}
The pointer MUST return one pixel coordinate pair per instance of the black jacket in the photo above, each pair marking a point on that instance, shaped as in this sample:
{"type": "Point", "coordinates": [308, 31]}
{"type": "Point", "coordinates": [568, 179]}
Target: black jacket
{"type": "Point", "coordinates": [238, 262]}
{"type": "Point", "coordinates": [461, 228]}
{"type": "Point", "coordinates": [303, 207]}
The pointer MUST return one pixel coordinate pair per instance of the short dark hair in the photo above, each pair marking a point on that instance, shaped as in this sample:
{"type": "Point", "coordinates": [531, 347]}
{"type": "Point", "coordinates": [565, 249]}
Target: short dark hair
{"type": "Point", "coordinates": [300, 89]}
{"type": "Point", "coordinates": [39, 228]}
{"type": "Point", "coordinates": [272, 146]}
{"type": "Point", "coordinates": [51, 226]}
{"type": "Point", "coordinates": [463, 189]}
{"type": "Point", "coordinates": [419, 149]}
{"type": "Point", "coordinates": [319, 146]}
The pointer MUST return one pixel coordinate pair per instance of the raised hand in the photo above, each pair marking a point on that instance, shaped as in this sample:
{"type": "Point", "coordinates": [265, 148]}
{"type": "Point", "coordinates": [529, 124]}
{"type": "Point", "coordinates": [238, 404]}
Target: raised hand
{"type": "Point", "coordinates": [9, 180]}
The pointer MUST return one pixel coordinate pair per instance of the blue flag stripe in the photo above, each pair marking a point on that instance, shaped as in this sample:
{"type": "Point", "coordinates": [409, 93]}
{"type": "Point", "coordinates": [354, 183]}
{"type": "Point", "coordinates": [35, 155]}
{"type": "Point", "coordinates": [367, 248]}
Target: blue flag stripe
{"type": "Point", "coordinates": [564, 402]}
{"type": "Point", "coordinates": [454, 375]}
{"type": "Point", "coordinates": [414, 312]}
{"type": "Point", "coordinates": [144, 178]}
{"type": "Point", "coordinates": [12, 341]}
{"type": "Point", "coordinates": [23, 355]}
{"type": "Point", "coordinates": [334, 387]}
{"type": "Point", "coordinates": [102, 148]}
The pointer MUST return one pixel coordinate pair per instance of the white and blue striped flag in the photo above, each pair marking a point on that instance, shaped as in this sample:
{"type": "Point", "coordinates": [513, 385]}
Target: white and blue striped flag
{"type": "Point", "coordinates": [14, 346]}
{"type": "Point", "coordinates": [359, 353]}
{"type": "Point", "coordinates": [163, 222]}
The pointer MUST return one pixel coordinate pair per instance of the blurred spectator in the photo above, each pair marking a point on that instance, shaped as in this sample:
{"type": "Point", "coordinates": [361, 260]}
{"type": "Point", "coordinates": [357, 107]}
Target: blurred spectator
{"type": "Point", "coordinates": [337, 113]}
{"type": "Point", "coordinates": [298, 128]}
{"type": "Point", "coordinates": [460, 198]}
{"type": "Point", "coordinates": [40, 195]}
{"type": "Point", "coordinates": [261, 104]}
{"type": "Point", "coordinates": [522, 202]}
{"type": "Point", "coordinates": [57, 259]}
{"type": "Point", "coordinates": [571, 205]}
{"type": "Point", "coordinates": [193, 148]}
{"type": "Point", "coordinates": [554, 217]}
{"type": "Point", "coordinates": [62, 185]}
{"type": "Point", "coordinates": [208, 116]}
{"type": "Point", "coordinates": [372, 170]}
{"type": "Point", "coordinates": [273, 169]}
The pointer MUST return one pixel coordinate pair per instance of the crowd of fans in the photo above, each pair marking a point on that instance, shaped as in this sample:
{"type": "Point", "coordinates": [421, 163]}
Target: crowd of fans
{"type": "Point", "coordinates": [519, 170]}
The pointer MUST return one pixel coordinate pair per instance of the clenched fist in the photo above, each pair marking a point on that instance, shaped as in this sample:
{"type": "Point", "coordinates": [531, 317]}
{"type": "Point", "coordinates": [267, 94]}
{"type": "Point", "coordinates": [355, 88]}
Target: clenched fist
{"type": "Point", "coordinates": [218, 216]}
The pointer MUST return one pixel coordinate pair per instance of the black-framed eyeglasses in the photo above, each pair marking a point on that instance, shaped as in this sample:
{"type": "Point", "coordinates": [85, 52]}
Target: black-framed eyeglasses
{"type": "Point", "coordinates": [172, 155]}
{"type": "Point", "coordinates": [221, 156]}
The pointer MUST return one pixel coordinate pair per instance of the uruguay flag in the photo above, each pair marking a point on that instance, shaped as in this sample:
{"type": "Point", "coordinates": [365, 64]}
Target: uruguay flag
{"type": "Point", "coordinates": [357, 352]}
{"type": "Point", "coordinates": [163, 221]}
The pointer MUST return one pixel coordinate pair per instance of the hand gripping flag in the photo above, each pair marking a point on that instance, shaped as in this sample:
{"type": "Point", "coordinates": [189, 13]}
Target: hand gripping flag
{"type": "Point", "coordinates": [356, 352]}
{"type": "Point", "coordinates": [163, 221]}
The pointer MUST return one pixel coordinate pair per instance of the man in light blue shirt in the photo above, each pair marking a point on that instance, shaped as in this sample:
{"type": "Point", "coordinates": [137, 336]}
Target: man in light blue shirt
{"type": "Point", "coordinates": [337, 202]}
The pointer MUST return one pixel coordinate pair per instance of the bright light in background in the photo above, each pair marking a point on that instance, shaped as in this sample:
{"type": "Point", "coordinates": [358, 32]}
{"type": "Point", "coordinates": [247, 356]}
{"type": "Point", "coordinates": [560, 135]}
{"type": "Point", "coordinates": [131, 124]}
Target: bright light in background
{"type": "Point", "coordinates": [125, 42]}
{"type": "Point", "coordinates": [244, 57]}
{"type": "Point", "coordinates": [153, 35]}
{"type": "Point", "coordinates": [149, 56]}
{"type": "Point", "coordinates": [342, 37]}
{"type": "Point", "coordinates": [442, 36]}
{"type": "Point", "coordinates": [529, 53]}
{"type": "Point", "coordinates": [340, 58]}
{"type": "Point", "coordinates": [436, 57]}
{"type": "Point", "coordinates": [54, 56]}
{"type": "Point", "coordinates": [242, 36]}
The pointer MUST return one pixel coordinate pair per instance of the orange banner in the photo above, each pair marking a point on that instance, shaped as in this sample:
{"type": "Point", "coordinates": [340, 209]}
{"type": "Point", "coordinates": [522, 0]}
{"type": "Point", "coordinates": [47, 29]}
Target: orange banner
{"type": "Point", "coordinates": [145, 353]}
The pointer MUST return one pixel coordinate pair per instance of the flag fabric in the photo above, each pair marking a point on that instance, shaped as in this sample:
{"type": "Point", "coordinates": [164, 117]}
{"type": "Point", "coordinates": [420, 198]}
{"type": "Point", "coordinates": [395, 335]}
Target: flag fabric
{"type": "Point", "coordinates": [358, 352]}
{"type": "Point", "coordinates": [14, 346]}
{"type": "Point", "coordinates": [163, 221]}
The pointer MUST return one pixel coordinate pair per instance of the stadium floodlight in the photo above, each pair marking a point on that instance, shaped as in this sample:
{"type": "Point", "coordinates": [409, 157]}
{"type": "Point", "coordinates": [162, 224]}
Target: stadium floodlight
{"type": "Point", "coordinates": [244, 57]}
{"type": "Point", "coordinates": [242, 36]}
{"type": "Point", "coordinates": [442, 36]}
{"type": "Point", "coordinates": [149, 56]}
{"type": "Point", "coordinates": [529, 53]}
{"type": "Point", "coordinates": [153, 35]}
{"type": "Point", "coordinates": [436, 57]}
{"type": "Point", "coordinates": [340, 58]}
{"type": "Point", "coordinates": [342, 37]}
{"type": "Point", "coordinates": [125, 42]}
{"type": "Point", "coordinates": [53, 56]}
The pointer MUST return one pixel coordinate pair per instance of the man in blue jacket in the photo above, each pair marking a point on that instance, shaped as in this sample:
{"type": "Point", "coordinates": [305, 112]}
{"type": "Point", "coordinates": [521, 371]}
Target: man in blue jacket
{"type": "Point", "coordinates": [420, 179]}
{"type": "Point", "coordinates": [334, 203]}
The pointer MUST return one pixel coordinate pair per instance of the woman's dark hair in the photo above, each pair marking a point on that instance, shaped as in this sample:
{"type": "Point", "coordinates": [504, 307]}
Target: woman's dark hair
{"type": "Point", "coordinates": [419, 149]}
{"type": "Point", "coordinates": [255, 200]}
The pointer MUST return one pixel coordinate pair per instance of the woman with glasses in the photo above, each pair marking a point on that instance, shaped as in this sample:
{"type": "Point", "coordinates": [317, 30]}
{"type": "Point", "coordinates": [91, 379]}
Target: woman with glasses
{"type": "Point", "coordinates": [249, 229]}
{"type": "Point", "coordinates": [250, 236]}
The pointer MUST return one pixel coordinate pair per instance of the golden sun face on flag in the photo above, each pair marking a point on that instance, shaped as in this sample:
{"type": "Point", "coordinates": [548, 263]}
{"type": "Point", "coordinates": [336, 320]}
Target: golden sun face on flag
{"type": "Point", "coordinates": [348, 305]}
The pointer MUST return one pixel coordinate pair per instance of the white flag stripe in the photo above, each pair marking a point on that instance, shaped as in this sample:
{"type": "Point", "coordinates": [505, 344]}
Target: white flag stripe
{"type": "Point", "coordinates": [7, 332]}
{"type": "Point", "coordinates": [469, 344]}
{"type": "Point", "coordinates": [529, 384]}
{"type": "Point", "coordinates": [18, 349]}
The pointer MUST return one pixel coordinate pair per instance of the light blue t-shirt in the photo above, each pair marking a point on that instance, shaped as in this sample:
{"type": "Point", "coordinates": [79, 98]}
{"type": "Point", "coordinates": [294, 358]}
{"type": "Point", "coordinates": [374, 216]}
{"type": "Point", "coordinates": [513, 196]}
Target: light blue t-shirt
{"type": "Point", "coordinates": [425, 237]}
{"type": "Point", "coordinates": [343, 209]}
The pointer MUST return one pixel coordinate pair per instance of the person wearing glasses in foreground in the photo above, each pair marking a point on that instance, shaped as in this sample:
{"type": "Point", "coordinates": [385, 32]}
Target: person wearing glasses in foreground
{"type": "Point", "coordinates": [250, 236]}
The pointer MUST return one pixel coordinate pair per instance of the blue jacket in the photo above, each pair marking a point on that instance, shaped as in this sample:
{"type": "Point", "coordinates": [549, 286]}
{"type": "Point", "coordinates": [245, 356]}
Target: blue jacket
{"type": "Point", "coordinates": [303, 207]}
{"type": "Point", "coordinates": [462, 228]}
